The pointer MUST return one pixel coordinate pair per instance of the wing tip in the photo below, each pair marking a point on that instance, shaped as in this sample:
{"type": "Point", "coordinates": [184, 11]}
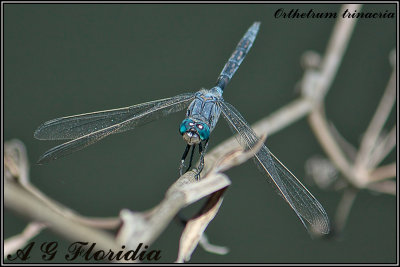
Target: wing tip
{"type": "Point", "coordinates": [320, 226]}
{"type": "Point", "coordinates": [40, 132]}
{"type": "Point", "coordinates": [43, 159]}
{"type": "Point", "coordinates": [37, 134]}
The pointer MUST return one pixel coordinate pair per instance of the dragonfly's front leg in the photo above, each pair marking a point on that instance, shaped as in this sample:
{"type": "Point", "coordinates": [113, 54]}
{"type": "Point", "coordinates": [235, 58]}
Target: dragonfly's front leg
{"type": "Point", "coordinates": [202, 154]}
{"type": "Point", "coordinates": [182, 165]}
{"type": "Point", "coordinates": [191, 158]}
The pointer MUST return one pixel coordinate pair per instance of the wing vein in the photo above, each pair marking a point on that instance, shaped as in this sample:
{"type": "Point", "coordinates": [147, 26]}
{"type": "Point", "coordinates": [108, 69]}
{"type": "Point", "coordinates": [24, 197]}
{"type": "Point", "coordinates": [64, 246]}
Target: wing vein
{"type": "Point", "coordinates": [304, 204]}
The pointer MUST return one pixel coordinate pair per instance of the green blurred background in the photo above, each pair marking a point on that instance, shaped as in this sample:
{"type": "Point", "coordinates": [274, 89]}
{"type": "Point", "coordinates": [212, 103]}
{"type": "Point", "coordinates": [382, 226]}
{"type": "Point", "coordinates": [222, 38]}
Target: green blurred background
{"type": "Point", "coordinates": [66, 59]}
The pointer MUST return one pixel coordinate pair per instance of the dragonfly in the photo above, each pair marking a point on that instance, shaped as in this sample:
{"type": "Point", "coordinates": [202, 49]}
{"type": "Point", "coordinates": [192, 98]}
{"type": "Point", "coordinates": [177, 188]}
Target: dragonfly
{"type": "Point", "coordinates": [203, 110]}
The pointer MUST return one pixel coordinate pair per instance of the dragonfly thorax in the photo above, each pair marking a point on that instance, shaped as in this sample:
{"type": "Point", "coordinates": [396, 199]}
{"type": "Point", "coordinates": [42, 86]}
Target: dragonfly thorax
{"type": "Point", "coordinates": [193, 131]}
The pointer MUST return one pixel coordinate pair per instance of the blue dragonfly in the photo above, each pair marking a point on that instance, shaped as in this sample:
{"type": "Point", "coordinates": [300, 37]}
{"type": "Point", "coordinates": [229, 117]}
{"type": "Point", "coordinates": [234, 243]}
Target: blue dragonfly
{"type": "Point", "coordinates": [203, 110]}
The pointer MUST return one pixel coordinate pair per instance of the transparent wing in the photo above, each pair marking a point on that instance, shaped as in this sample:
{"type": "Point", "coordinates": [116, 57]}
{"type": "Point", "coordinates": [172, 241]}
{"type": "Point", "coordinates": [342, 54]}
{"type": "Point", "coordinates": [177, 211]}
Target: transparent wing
{"type": "Point", "coordinates": [89, 128]}
{"type": "Point", "coordinates": [306, 207]}
{"type": "Point", "coordinates": [72, 127]}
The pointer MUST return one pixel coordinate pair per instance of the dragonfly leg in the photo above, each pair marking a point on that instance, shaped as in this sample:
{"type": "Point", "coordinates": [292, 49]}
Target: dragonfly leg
{"type": "Point", "coordinates": [191, 158]}
{"type": "Point", "coordinates": [202, 154]}
{"type": "Point", "coordinates": [185, 153]}
{"type": "Point", "coordinates": [182, 165]}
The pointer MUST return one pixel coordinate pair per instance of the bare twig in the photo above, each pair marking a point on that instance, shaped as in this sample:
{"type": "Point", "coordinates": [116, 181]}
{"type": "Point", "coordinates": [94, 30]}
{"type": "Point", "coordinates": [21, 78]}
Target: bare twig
{"type": "Point", "coordinates": [383, 173]}
{"type": "Point", "coordinates": [344, 208]}
{"type": "Point", "coordinates": [374, 129]}
{"type": "Point", "coordinates": [207, 246]}
{"type": "Point", "coordinates": [385, 187]}
{"type": "Point", "coordinates": [349, 150]}
{"type": "Point", "coordinates": [360, 170]}
{"type": "Point", "coordinates": [321, 130]}
{"type": "Point", "coordinates": [336, 48]}
{"type": "Point", "coordinates": [18, 199]}
{"type": "Point", "coordinates": [330, 64]}
{"type": "Point", "coordinates": [12, 244]}
{"type": "Point", "coordinates": [16, 164]}
{"type": "Point", "coordinates": [384, 146]}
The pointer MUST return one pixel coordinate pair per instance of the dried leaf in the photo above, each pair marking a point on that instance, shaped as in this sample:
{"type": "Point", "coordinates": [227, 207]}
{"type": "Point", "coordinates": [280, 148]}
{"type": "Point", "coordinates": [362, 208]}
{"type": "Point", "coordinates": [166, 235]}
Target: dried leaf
{"type": "Point", "coordinates": [196, 226]}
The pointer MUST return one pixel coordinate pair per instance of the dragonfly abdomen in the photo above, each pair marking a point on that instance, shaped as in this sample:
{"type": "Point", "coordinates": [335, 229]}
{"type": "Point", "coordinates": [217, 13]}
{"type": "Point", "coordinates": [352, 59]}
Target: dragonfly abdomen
{"type": "Point", "coordinates": [237, 56]}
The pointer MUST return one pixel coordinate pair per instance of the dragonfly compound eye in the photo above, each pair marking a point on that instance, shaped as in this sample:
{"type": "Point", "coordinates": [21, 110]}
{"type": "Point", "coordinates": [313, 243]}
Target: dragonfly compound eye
{"type": "Point", "coordinates": [203, 130]}
{"type": "Point", "coordinates": [185, 126]}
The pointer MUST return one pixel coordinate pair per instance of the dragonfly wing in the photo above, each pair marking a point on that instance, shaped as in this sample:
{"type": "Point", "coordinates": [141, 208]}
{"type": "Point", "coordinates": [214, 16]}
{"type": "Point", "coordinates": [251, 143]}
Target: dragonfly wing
{"type": "Point", "coordinates": [72, 127]}
{"type": "Point", "coordinates": [305, 205]}
{"type": "Point", "coordinates": [75, 145]}
{"type": "Point", "coordinates": [107, 125]}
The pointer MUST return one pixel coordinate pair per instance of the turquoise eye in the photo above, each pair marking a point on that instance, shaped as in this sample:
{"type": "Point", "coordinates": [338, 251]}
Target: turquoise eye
{"type": "Point", "coordinates": [185, 126]}
{"type": "Point", "coordinates": [203, 130]}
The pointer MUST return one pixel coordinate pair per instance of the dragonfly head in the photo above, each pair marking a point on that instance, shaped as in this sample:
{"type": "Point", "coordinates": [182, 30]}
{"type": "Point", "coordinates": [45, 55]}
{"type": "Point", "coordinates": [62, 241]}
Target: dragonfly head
{"type": "Point", "coordinates": [193, 131]}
